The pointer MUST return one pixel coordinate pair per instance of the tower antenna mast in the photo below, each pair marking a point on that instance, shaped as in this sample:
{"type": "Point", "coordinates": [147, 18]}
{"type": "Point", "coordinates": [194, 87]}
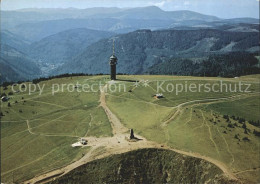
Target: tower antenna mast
{"type": "Point", "coordinates": [113, 62]}
{"type": "Point", "coordinates": [113, 46]}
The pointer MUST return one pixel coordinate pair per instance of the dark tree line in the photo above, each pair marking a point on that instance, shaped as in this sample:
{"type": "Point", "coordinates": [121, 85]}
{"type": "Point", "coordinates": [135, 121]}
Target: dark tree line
{"type": "Point", "coordinates": [256, 133]}
{"type": "Point", "coordinates": [224, 65]}
{"type": "Point", "coordinates": [35, 81]}
{"type": "Point", "coordinates": [242, 120]}
{"type": "Point", "coordinates": [5, 84]}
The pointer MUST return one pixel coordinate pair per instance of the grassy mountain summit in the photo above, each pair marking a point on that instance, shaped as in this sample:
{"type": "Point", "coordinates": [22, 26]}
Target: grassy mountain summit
{"type": "Point", "coordinates": [202, 136]}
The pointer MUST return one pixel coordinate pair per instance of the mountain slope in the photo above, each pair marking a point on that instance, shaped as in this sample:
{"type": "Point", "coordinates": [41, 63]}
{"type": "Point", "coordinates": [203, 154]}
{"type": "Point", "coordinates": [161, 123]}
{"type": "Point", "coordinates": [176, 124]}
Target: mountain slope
{"type": "Point", "coordinates": [242, 20]}
{"type": "Point", "coordinates": [14, 41]}
{"type": "Point", "coordinates": [139, 50]}
{"type": "Point", "coordinates": [145, 166]}
{"type": "Point", "coordinates": [15, 65]}
{"type": "Point", "coordinates": [225, 65]}
{"type": "Point", "coordinates": [241, 27]}
{"type": "Point", "coordinates": [8, 73]}
{"type": "Point", "coordinates": [60, 47]}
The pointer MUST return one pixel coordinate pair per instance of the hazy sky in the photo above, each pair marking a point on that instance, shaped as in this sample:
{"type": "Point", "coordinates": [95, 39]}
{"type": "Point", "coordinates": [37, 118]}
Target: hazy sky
{"type": "Point", "coordinates": [220, 8]}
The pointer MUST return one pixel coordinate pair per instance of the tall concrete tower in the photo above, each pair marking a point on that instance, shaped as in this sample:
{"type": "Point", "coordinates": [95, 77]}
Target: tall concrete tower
{"type": "Point", "coordinates": [113, 62]}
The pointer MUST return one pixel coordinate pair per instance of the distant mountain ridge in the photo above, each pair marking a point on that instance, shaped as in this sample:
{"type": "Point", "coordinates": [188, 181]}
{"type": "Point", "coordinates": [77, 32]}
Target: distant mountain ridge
{"type": "Point", "coordinates": [153, 12]}
{"type": "Point", "coordinates": [36, 24]}
{"type": "Point", "coordinates": [60, 47]}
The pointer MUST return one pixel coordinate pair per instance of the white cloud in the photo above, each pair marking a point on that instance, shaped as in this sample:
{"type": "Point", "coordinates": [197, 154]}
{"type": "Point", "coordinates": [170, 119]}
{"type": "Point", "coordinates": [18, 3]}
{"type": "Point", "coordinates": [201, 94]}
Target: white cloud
{"type": "Point", "coordinates": [160, 4]}
{"type": "Point", "coordinates": [186, 3]}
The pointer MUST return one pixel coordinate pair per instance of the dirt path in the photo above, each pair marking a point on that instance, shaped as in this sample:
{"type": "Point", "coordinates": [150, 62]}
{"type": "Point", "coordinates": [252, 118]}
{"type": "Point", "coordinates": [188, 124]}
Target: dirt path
{"type": "Point", "coordinates": [204, 101]}
{"type": "Point", "coordinates": [116, 145]}
{"type": "Point", "coordinates": [137, 100]}
{"type": "Point", "coordinates": [52, 104]}
{"type": "Point", "coordinates": [210, 133]}
{"type": "Point", "coordinates": [117, 127]}
{"type": "Point", "coordinates": [47, 135]}
{"type": "Point", "coordinates": [89, 124]}
{"type": "Point", "coordinates": [165, 123]}
{"type": "Point", "coordinates": [221, 135]}
{"type": "Point", "coordinates": [30, 162]}
{"type": "Point", "coordinates": [248, 170]}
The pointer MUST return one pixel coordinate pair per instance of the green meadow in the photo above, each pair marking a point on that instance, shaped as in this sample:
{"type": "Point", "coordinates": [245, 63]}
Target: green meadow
{"type": "Point", "coordinates": [37, 130]}
{"type": "Point", "coordinates": [55, 122]}
{"type": "Point", "coordinates": [197, 126]}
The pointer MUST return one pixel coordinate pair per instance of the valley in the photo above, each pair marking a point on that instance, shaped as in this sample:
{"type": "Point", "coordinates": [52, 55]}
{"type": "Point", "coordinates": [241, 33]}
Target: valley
{"type": "Point", "coordinates": [148, 40]}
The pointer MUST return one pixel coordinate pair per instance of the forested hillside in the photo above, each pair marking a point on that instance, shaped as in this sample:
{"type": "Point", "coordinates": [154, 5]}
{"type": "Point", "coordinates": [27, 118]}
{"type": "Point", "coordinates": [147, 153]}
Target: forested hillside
{"type": "Point", "coordinates": [60, 47]}
{"type": "Point", "coordinates": [16, 65]}
{"type": "Point", "coordinates": [227, 65]}
{"type": "Point", "coordinates": [137, 51]}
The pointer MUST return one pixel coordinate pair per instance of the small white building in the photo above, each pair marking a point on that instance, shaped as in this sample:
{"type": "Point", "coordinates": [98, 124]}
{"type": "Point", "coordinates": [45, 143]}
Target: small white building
{"type": "Point", "coordinates": [83, 141]}
{"type": "Point", "coordinates": [5, 99]}
{"type": "Point", "coordinates": [158, 95]}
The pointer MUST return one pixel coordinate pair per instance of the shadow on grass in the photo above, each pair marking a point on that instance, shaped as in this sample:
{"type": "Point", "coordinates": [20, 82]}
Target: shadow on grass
{"type": "Point", "coordinates": [126, 80]}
